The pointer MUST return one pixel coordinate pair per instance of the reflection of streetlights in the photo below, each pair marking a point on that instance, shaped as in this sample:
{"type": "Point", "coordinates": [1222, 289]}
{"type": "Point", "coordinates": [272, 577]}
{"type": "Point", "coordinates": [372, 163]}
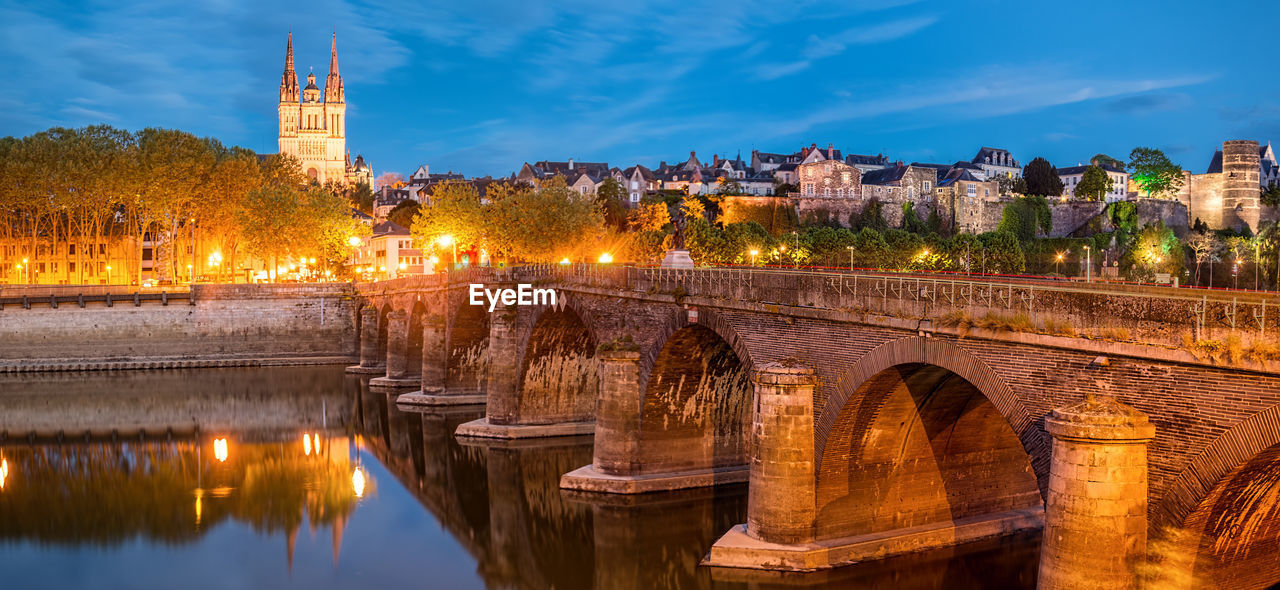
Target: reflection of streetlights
{"type": "Point", "coordinates": [220, 449]}
{"type": "Point", "coordinates": [4, 472]}
{"type": "Point", "coordinates": [357, 481]}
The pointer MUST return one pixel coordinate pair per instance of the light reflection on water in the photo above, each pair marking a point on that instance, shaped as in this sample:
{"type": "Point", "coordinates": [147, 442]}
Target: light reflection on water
{"type": "Point", "coordinates": [374, 497]}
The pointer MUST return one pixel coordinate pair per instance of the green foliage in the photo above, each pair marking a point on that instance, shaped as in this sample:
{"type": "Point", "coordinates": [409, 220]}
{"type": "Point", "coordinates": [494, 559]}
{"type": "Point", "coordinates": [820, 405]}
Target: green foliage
{"type": "Point", "coordinates": [1041, 179]}
{"type": "Point", "coordinates": [871, 217]}
{"type": "Point", "coordinates": [910, 220]}
{"type": "Point", "coordinates": [1271, 195]}
{"type": "Point", "coordinates": [1003, 253]}
{"type": "Point", "coordinates": [404, 213]}
{"type": "Point", "coordinates": [1155, 250]}
{"type": "Point", "coordinates": [361, 198]}
{"type": "Point", "coordinates": [1025, 217]}
{"type": "Point", "coordinates": [1154, 173]}
{"type": "Point", "coordinates": [1094, 185]}
{"type": "Point", "coordinates": [611, 197]}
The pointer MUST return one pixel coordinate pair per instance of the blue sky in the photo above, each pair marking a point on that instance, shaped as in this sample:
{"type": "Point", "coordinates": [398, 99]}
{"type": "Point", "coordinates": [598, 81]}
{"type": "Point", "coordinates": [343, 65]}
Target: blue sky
{"type": "Point", "coordinates": [481, 86]}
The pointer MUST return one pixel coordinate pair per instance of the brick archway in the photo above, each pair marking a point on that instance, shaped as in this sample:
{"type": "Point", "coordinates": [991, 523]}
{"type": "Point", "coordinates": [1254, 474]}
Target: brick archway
{"type": "Point", "coordinates": [679, 320]}
{"type": "Point", "coordinates": [558, 378]}
{"type": "Point", "coordinates": [1233, 448]}
{"type": "Point", "coordinates": [916, 350]}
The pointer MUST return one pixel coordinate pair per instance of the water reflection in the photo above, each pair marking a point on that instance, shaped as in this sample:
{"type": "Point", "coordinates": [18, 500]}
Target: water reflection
{"type": "Point", "coordinates": [415, 507]}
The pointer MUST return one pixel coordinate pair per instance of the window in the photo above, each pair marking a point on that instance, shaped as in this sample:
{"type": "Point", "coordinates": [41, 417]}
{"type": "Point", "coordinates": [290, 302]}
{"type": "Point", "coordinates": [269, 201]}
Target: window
{"type": "Point", "coordinates": [635, 184]}
{"type": "Point", "coordinates": [808, 188]}
{"type": "Point", "coordinates": [972, 190]}
{"type": "Point", "coordinates": [928, 185]}
{"type": "Point", "coordinates": [635, 197]}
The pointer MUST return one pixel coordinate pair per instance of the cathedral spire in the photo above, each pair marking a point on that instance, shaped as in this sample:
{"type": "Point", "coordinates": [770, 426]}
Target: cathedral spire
{"type": "Point", "coordinates": [289, 80]}
{"type": "Point", "coordinates": [333, 91]}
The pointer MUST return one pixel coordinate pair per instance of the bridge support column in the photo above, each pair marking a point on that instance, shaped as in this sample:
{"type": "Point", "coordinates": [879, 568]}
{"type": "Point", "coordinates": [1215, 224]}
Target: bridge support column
{"type": "Point", "coordinates": [1096, 511]}
{"type": "Point", "coordinates": [435, 369]}
{"type": "Point", "coordinates": [781, 502]}
{"type": "Point", "coordinates": [397, 353]}
{"type": "Point", "coordinates": [617, 460]}
{"type": "Point", "coordinates": [502, 402]}
{"type": "Point", "coordinates": [369, 361]}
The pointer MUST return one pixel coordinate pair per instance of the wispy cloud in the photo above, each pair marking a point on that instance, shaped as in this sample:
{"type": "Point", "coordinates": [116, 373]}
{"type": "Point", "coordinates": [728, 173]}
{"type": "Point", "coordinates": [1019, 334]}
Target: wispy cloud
{"type": "Point", "coordinates": [817, 48]}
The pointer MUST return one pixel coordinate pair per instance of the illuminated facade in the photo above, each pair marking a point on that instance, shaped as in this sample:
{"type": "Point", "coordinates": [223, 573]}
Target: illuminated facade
{"type": "Point", "coordinates": [313, 128]}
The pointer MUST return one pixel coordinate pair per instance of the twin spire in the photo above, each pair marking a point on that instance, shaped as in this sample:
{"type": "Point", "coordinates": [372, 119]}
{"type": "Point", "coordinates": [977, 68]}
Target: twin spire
{"type": "Point", "coordinates": [333, 90]}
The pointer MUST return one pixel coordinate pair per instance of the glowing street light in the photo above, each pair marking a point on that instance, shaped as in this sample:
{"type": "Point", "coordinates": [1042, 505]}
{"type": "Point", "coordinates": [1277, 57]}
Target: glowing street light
{"type": "Point", "coordinates": [564, 261]}
{"type": "Point", "coordinates": [108, 274]}
{"type": "Point", "coordinates": [447, 240]}
{"type": "Point", "coordinates": [1057, 262]}
{"type": "Point", "coordinates": [754, 253]}
{"type": "Point", "coordinates": [354, 241]}
{"type": "Point", "coordinates": [606, 258]}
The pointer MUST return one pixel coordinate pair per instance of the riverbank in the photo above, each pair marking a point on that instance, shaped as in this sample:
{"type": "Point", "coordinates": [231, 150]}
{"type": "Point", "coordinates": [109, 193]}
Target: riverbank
{"type": "Point", "coordinates": [218, 326]}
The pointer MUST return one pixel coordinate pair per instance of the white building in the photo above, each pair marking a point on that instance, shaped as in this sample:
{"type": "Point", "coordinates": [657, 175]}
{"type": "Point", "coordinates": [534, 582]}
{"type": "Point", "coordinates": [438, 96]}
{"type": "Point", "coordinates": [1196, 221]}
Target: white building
{"type": "Point", "coordinates": [1072, 175]}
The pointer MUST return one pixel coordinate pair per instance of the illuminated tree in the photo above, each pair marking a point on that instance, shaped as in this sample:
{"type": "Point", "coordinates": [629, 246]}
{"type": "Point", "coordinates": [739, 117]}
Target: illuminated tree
{"type": "Point", "coordinates": [1154, 173]}
{"type": "Point", "coordinates": [1094, 184]}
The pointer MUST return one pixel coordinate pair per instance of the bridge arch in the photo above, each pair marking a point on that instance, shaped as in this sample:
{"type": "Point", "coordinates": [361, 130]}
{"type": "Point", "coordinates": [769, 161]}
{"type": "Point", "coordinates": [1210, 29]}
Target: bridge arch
{"type": "Point", "coordinates": [696, 408]}
{"type": "Point", "coordinates": [920, 432]}
{"type": "Point", "coordinates": [558, 378]}
{"type": "Point", "coordinates": [467, 347]}
{"type": "Point", "coordinates": [1225, 506]}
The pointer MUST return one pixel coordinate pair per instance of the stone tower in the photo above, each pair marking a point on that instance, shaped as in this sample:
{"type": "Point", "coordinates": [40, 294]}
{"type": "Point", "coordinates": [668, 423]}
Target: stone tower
{"type": "Point", "coordinates": [1241, 200]}
{"type": "Point", "coordinates": [313, 129]}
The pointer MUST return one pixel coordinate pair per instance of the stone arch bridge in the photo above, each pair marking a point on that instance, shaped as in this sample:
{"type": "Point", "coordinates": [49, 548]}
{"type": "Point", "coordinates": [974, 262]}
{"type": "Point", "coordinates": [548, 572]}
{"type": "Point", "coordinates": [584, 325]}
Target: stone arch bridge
{"type": "Point", "coordinates": [876, 414]}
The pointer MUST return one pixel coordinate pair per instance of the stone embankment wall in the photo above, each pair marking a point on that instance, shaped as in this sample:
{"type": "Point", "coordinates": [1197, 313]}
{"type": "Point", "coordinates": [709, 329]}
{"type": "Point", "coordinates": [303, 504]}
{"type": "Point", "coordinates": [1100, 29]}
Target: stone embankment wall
{"type": "Point", "coordinates": [237, 324]}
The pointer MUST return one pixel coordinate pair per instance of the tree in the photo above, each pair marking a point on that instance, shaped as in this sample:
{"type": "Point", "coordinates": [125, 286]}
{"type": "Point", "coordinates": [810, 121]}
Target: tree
{"type": "Point", "coordinates": [611, 196]}
{"type": "Point", "coordinates": [871, 216]}
{"type": "Point", "coordinates": [404, 213]}
{"type": "Point", "coordinates": [1105, 160]}
{"type": "Point", "coordinates": [1203, 245]}
{"type": "Point", "coordinates": [361, 198]}
{"type": "Point", "coordinates": [543, 224]}
{"type": "Point", "coordinates": [1154, 173]}
{"type": "Point", "coordinates": [1155, 250]}
{"type": "Point", "coordinates": [1271, 195]}
{"type": "Point", "coordinates": [783, 188]}
{"type": "Point", "coordinates": [910, 220]}
{"type": "Point", "coordinates": [1008, 185]}
{"type": "Point", "coordinates": [456, 211]}
{"type": "Point", "coordinates": [1026, 217]}
{"type": "Point", "coordinates": [729, 186]}
{"type": "Point", "coordinates": [1002, 252]}
{"type": "Point", "coordinates": [1094, 185]}
{"type": "Point", "coordinates": [1042, 178]}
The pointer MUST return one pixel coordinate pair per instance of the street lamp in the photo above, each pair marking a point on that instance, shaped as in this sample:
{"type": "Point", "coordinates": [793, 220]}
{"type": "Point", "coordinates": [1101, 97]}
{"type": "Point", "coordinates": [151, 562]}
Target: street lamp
{"type": "Point", "coordinates": [1088, 265]}
{"type": "Point", "coordinates": [28, 265]}
{"type": "Point", "coordinates": [1057, 263]}
{"type": "Point", "coordinates": [1235, 273]}
{"type": "Point", "coordinates": [606, 258]}
{"type": "Point", "coordinates": [447, 240]}
{"type": "Point", "coordinates": [754, 253]}
{"type": "Point", "coordinates": [850, 249]}
{"type": "Point", "coordinates": [108, 274]}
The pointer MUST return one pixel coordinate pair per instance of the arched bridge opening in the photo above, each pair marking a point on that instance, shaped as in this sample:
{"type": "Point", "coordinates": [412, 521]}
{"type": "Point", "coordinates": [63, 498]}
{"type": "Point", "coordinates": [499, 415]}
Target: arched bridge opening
{"type": "Point", "coordinates": [558, 372]}
{"type": "Point", "coordinates": [697, 405]}
{"type": "Point", "coordinates": [917, 444]}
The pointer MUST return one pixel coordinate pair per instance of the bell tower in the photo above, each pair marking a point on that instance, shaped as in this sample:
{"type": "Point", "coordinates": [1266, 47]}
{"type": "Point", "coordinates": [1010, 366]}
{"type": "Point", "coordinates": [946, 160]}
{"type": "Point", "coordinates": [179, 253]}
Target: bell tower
{"type": "Point", "coordinates": [313, 122]}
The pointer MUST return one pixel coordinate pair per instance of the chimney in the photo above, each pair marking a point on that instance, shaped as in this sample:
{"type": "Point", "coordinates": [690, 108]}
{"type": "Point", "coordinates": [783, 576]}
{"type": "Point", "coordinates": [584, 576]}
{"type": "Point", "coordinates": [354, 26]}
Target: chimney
{"type": "Point", "coordinates": [571, 163]}
{"type": "Point", "coordinates": [715, 159]}
{"type": "Point", "coordinates": [831, 151]}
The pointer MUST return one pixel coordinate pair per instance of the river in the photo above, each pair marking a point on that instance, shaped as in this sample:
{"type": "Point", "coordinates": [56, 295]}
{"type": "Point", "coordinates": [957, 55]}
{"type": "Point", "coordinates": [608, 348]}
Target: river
{"type": "Point", "coordinates": [303, 477]}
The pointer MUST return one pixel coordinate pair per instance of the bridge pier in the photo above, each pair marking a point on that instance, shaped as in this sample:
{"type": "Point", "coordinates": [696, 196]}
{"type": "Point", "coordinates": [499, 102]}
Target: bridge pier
{"type": "Point", "coordinates": [397, 376]}
{"type": "Point", "coordinates": [435, 370]}
{"type": "Point", "coordinates": [369, 361]}
{"type": "Point", "coordinates": [617, 460]}
{"type": "Point", "coordinates": [1096, 512]}
{"type": "Point", "coordinates": [502, 418]}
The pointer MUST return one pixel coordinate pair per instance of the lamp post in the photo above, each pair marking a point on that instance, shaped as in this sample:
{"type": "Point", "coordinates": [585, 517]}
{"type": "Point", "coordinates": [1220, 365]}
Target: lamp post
{"type": "Point", "coordinates": [850, 248]}
{"type": "Point", "coordinates": [447, 240]}
{"type": "Point", "coordinates": [795, 262]}
{"type": "Point", "coordinates": [1235, 273]}
{"type": "Point", "coordinates": [1057, 263]}
{"type": "Point", "coordinates": [1088, 265]}
{"type": "Point", "coordinates": [28, 267]}
{"type": "Point", "coordinates": [108, 274]}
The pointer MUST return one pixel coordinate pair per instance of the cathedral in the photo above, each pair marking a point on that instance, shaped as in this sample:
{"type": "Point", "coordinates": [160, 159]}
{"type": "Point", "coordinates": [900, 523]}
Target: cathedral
{"type": "Point", "coordinates": [313, 128]}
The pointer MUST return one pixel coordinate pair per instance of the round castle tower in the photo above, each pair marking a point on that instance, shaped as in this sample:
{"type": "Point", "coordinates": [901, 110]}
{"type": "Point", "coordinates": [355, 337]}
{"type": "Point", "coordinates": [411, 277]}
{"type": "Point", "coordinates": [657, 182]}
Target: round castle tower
{"type": "Point", "coordinates": [1240, 198]}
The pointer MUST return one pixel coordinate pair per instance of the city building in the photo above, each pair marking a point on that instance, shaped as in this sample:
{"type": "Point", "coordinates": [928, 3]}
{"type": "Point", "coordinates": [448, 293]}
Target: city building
{"type": "Point", "coordinates": [313, 124]}
{"type": "Point", "coordinates": [389, 253]}
{"type": "Point", "coordinates": [995, 162]}
{"type": "Point", "coordinates": [1072, 175]}
{"type": "Point", "coordinates": [1229, 193]}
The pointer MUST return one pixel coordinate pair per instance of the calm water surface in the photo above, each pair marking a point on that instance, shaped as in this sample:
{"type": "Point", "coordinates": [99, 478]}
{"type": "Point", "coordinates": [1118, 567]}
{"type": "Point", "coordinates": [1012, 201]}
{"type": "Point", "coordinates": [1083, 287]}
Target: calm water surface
{"type": "Point", "coordinates": [276, 504]}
